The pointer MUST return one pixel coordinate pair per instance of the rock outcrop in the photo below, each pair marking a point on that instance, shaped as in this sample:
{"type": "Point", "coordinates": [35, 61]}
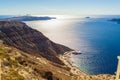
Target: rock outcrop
{"type": "Point", "coordinates": [29, 40]}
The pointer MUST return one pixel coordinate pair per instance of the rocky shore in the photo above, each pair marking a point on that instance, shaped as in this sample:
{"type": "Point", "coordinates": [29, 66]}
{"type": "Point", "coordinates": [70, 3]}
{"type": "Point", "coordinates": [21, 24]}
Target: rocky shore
{"type": "Point", "coordinates": [66, 58]}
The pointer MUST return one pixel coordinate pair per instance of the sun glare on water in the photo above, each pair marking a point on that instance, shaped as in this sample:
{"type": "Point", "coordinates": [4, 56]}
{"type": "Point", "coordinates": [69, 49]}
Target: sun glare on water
{"type": "Point", "coordinates": [54, 23]}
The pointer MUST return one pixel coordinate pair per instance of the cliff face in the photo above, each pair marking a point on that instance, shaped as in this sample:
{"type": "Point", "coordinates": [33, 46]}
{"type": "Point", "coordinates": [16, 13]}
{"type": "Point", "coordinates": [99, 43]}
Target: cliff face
{"type": "Point", "coordinates": [29, 40]}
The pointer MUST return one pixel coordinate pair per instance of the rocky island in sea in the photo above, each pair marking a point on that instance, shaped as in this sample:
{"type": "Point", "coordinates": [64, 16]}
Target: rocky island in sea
{"type": "Point", "coordinates": [27, 18]}
{"type": "Point", "coordinates": [26, 54]}
{"type": "Point", "coordinates": [87, 17]}
{"type": "Point", "coordinates": [117, 20]}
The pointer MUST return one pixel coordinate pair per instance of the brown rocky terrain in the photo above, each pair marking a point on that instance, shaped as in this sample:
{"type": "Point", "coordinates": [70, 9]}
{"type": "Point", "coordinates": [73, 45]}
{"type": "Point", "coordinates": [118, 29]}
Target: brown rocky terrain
{"type": "Point", "coordinates": [21, 36]}
{"type": "Point", "coordinates": [18, 65]}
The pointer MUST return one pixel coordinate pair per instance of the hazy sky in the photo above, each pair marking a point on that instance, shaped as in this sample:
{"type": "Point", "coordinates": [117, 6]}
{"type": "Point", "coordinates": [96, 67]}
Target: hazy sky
{"type": "Point", "coordinates": [59, 7]}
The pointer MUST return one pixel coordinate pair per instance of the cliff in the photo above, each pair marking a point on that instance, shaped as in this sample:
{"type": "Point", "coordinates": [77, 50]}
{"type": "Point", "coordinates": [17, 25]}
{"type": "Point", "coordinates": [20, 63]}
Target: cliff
{"type": "Point", "coordinates": [19, 35]}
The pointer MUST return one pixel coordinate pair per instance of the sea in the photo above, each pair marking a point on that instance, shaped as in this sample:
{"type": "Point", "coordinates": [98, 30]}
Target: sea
{"type": "Point", "coordinates": [96, 37]}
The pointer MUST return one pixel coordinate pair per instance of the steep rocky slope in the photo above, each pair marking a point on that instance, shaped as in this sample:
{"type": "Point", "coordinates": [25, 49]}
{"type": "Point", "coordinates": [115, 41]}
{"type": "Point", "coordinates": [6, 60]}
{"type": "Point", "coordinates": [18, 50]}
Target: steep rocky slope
{"type": "Point", "coordinates": [18, 65]}
{"type": "Point", "coordinates": [21, 36]}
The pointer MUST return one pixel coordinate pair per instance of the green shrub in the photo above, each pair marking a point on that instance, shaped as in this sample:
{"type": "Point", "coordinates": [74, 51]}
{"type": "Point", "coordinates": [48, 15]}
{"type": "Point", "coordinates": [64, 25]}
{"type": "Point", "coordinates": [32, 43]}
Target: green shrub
{"type": "Point", "coordinates": [14, 62]}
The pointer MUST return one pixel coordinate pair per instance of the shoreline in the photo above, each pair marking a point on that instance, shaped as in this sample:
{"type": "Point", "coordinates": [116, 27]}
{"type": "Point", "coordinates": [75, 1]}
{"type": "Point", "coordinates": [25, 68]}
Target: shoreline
{"type": "Point", "coordinates": [66, 58]}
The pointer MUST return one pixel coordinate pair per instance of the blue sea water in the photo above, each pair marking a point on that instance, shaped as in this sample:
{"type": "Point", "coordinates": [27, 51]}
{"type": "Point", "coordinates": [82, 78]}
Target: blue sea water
{"type": "Point", "coordinates": [102, 46]}
{"type": "Point", "coordinates": [5, 16]}
{"type": "Point", "coordinates": [97, 38]}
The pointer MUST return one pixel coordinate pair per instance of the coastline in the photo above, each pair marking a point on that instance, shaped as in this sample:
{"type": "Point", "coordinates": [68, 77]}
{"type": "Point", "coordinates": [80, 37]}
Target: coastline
{"type": "Point", "coordinates": [66, 58]}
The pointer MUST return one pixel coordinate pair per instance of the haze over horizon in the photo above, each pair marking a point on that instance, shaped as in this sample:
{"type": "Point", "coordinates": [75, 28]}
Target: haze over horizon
{"type": "Point", "coordinates": [60, 7]}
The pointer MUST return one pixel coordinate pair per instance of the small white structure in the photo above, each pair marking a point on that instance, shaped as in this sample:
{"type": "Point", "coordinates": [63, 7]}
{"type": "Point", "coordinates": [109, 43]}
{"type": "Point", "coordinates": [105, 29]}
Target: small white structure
{"type": "Point", "coordinates": [118, 69]}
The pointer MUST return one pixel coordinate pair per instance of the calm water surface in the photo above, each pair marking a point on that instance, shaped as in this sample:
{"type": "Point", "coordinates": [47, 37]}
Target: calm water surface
{"type": "Point", "coordinates": [97, 38]}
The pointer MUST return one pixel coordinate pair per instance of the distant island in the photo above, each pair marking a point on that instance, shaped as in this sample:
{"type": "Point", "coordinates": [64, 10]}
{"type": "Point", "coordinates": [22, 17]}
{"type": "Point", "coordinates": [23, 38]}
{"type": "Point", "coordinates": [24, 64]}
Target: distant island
{"type": "Point", "coordinates": [87, 17]}
{"type": "Point", "coordinates": [27, 18]}
{"type": "Point", "coordinates": [117, 20]}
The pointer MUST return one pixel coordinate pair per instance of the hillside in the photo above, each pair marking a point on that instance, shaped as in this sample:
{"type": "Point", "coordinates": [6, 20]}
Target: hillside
{"type": "Point", "coordinates": [26, 54]}
{"type": "Point", "coordinates": [21, 36]}
{"type": "Point", "coordinates": [18, 65]}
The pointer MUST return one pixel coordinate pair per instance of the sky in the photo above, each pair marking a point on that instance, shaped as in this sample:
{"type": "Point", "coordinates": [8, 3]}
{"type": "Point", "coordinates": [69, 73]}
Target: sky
{"type": "Point", "coordinates": [60, 7]}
